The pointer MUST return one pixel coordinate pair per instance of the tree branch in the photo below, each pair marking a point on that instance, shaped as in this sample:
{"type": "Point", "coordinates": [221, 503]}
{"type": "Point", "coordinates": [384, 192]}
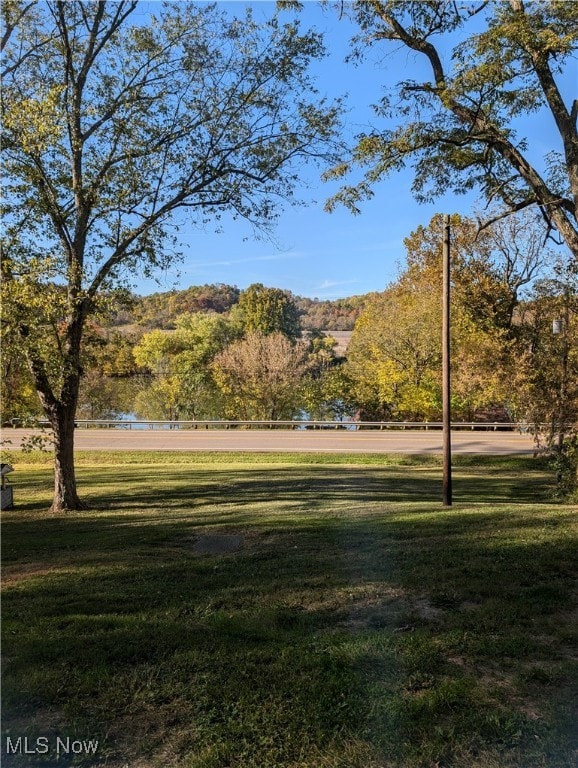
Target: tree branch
{"type": "Point", "coordinates": [11, 25]}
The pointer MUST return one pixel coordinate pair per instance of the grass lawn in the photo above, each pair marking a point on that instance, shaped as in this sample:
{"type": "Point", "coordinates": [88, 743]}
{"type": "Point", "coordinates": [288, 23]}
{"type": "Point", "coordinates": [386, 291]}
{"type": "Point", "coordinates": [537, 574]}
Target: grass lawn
{"type": "Point", "coordinates": [255, 611]}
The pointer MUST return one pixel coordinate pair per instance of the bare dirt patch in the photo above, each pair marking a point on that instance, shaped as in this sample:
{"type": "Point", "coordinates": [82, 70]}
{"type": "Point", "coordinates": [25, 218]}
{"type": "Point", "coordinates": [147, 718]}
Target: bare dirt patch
{"type": "Point", "coordinates": [13, 574]}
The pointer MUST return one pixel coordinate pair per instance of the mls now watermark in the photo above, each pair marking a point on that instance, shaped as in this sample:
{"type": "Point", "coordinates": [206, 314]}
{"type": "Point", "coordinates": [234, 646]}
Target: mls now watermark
{"type": "Point", "coordinates": [58, 745]}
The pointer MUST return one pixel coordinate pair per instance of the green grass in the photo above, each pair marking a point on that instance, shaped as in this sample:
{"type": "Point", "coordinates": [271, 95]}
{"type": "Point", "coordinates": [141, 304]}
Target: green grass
{"type": "Point", "coordinates": [360, 625]}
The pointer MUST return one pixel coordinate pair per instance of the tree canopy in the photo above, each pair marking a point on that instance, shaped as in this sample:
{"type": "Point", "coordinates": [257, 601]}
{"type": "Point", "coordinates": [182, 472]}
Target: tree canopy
{"type": "Point", "coordinates": [487, 65]}
{"type": "Point", "coordinates": [259, 376]}
{"type": "Point", "coordinates": [394, 356]}
{"type": "Point", "coordinates": [266, 310]}
{"type": "Point", "coordinates": [119, 126]}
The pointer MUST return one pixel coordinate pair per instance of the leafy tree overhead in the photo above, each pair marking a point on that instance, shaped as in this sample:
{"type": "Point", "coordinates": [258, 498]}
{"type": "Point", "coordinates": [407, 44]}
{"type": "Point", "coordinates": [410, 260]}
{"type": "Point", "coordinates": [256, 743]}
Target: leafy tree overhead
{"type": "Point", "coordinates": [488, 64]}
{"type": "Point", "coordinates": [116, 128]}
{"type": "Point", "coordinates": [490, 270]}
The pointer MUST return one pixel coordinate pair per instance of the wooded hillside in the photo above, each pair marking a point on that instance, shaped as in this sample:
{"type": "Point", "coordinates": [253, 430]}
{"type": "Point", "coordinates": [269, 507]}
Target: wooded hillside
{"type": "Point", "coordinates": [214, 351]}
{"type": "Point", "coordinates": [160, 310]}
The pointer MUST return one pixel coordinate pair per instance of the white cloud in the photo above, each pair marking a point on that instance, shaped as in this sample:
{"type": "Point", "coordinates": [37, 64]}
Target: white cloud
{"type": "Point", "coordinates": [247, 260]}
{"type": "Point", "coordinates": [334, 283]}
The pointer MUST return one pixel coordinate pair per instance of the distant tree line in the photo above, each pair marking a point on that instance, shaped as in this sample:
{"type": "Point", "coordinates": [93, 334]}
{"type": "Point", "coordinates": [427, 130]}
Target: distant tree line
{"type": "Point", "coordinates": [120, 127]}
{"type": "Point", "coordinates": [161, 310]}
{"type": "Point", "coordinates": [217, 352]}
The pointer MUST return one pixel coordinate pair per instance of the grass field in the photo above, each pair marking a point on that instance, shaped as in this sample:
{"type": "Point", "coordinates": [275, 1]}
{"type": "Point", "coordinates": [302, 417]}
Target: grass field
{"type": "Point", "coordinates": [255, 611]}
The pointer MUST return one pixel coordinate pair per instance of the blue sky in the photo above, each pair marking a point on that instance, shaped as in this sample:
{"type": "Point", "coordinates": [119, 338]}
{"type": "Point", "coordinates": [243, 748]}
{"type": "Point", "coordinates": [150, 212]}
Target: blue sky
{"type": "Point", "coordinates": [314, 253]}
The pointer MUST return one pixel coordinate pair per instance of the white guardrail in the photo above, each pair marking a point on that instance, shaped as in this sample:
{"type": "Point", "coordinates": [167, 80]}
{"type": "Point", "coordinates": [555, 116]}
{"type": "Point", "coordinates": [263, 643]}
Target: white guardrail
{"type": "Point", "coordinates": [289, 424]}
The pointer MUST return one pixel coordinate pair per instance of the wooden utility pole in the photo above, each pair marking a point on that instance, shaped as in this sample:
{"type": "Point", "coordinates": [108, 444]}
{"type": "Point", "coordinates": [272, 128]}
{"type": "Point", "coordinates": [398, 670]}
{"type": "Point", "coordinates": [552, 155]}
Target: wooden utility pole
{"type": "Point", "coordinates": [446, 388]}
{"type": "Point", "coordinates": [561, 327]}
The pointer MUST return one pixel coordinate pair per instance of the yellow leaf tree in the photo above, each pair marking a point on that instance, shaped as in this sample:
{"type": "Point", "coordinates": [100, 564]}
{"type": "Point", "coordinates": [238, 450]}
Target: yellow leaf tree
{"type": "Point", "coordinates": [118, 127]}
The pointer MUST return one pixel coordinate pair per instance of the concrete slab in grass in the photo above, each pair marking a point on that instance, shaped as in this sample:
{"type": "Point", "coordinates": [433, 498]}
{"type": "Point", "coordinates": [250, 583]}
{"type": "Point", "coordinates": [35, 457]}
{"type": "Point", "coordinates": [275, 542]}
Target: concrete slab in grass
{"type": "Point", "coordinates": [218, 544]}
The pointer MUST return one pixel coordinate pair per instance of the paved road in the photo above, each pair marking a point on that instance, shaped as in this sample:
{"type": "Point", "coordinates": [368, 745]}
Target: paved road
{"type": "Point", "coordinates": [333, 441]}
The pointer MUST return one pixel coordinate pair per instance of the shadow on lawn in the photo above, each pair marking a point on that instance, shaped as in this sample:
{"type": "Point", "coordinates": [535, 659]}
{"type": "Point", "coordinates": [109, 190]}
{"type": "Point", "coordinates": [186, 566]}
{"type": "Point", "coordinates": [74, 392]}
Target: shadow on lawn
{"type": "Point", "coordinates": [368, 638]}
{"type": "Point", "coordinates": [315, 486]}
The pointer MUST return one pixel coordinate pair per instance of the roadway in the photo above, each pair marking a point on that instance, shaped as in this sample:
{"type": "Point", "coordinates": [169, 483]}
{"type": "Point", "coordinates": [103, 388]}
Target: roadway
{"type": "Point", "coordinates": [328, 441]}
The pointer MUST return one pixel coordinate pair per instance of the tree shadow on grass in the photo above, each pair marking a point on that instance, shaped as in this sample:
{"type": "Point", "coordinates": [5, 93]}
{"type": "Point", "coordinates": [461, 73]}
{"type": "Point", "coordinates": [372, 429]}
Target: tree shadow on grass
{"type": "Point", "coordinates": [314, 486]}
{"type": "Point", "coordinates": [349, 630]}
{"type": "Point", "coordinates": [360, 637]}
{"type": "Point", "coordinates": [169, 487]}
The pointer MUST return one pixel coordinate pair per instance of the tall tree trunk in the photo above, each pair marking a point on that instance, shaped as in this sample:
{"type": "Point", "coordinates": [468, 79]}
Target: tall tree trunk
{"type": "Point", "coordinates": [65, 494]}
{"type": "Point", "coordinates": [61, 411]}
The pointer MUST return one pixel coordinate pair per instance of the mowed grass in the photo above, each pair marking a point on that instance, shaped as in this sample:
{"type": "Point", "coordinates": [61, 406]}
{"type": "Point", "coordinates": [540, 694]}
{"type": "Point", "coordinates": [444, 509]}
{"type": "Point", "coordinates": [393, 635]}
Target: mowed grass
{"type": "Point", "coordinates": [348, 620]}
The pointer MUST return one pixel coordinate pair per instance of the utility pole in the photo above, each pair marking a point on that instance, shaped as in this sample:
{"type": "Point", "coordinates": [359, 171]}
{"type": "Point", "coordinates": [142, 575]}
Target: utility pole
{"type": "Point", "coordinates": [446, 388]}
{"type": "Point", "coordinates": [560, 327]}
